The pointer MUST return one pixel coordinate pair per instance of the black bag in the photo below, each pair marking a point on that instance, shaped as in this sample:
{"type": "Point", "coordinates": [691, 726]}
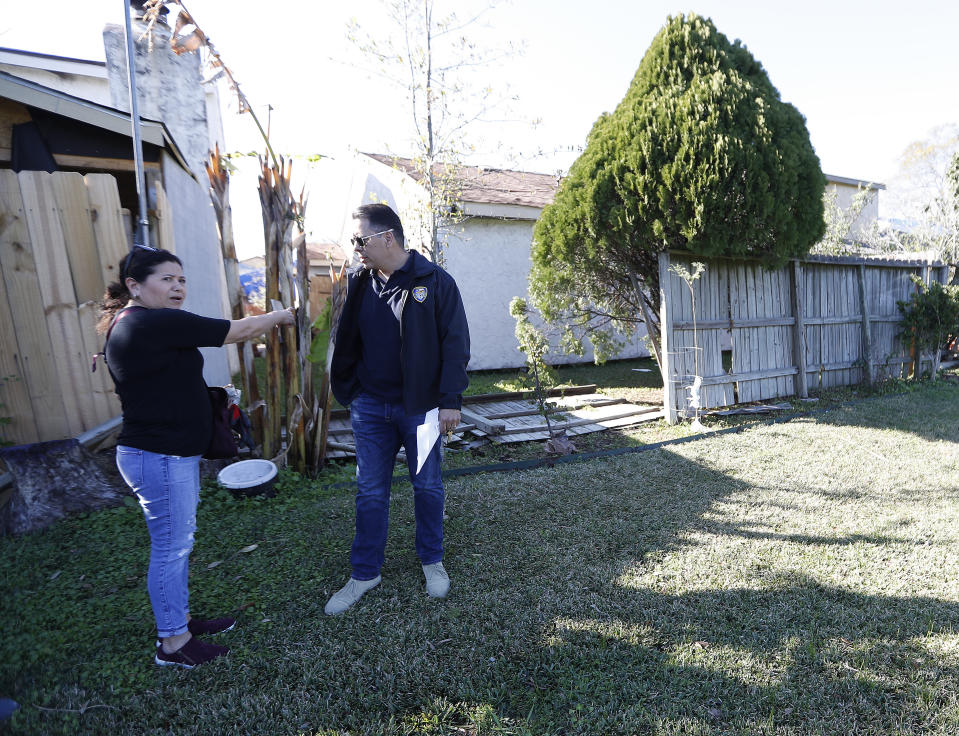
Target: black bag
{"type": "Point", "coordinates": [222, 441]}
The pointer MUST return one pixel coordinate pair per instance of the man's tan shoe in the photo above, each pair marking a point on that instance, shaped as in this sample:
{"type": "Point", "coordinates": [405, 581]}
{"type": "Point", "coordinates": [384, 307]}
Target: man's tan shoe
{"type": "Point", "coordinates": [437, 581]}
{"type": "Point", "coordinates": [349, 594]}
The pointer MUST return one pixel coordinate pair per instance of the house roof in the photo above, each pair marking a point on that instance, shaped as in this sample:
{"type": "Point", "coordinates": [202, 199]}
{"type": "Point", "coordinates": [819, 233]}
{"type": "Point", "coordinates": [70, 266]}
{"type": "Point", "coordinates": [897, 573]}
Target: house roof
{"type": "Point", "coordinates": [325, 251]}
{"type": "Point", "coordinates": [487, 186]}
{"type": "Point", "coordinates": [52, 63]}
{"type": "Point", "coordinates": [504, 186]}
{"type": "Point", "coordinates": [60, 103]}
{"type": "Point", "coordinates": [853, 182]}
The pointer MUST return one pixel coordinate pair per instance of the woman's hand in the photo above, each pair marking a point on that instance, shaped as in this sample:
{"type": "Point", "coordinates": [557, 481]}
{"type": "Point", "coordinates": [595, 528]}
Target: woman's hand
{"type": "Point", "coordinates": [244, 329]}
{"type": "Point", "coordinates": [285, 316]}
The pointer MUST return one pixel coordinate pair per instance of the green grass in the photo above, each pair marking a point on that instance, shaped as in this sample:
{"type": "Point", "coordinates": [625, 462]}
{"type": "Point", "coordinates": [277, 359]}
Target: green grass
{"type": "Point", "coordinates": [635, 380]}
{"type": "Point", "coordinates": [643, 384]}
{"type": "Point", "coordinates": [639, 381]}
{"type": "Point", "coordinates": [793, 578]}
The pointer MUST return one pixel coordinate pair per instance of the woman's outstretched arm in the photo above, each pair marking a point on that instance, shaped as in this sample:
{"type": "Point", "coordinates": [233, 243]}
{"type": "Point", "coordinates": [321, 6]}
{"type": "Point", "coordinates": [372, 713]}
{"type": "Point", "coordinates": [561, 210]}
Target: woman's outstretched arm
{"type": "Point", "coordinates": [254, 325]}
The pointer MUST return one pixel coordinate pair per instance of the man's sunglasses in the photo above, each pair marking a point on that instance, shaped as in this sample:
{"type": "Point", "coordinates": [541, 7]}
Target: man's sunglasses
{"type": "Point", "coordinates": [360, 241]}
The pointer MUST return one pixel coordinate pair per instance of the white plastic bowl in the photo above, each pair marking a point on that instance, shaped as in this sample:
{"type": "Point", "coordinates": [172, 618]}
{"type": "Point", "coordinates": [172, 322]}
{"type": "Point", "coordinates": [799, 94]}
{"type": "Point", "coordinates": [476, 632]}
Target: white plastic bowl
{"type": "Point", "coordinates": [249, 477]}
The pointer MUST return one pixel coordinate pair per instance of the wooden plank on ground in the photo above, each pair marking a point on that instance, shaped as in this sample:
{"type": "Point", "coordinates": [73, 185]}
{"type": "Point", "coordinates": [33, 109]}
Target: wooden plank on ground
{"type": "Point", "coordinates": [112, 244]}
{"type": "Point", "coordinates": [59, 299]}
{"type": "Point", "coordinates": [588, 426]}
{"type": "Point", "coordinates": [480, 421]}
{"type": "Point", "coordinates": [27, 313]}
{"type": "Point", "coordinates": [580, 421]}
{"type": "Point", "coordinates": [531, 409]}
{"type": "Point", "coordinates": [506, 395]}
{"type": "Point", "coordinates": [77, 223]}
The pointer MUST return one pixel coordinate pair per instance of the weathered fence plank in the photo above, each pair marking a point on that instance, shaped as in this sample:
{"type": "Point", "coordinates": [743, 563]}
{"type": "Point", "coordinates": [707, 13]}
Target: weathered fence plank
{"type": "Point", "coordinates": [799, 329]}
{"type": "Point", "coordinates": [59, 299]}
{"type": "Point", "coordinates": [866, 326]}
{"type": "Point", "coordinates": [107, 223]}
{"type": "Point", "coordinates": [666, 330]}
{"type": "Point", "coordinates": [77, 222]}
{"type": "Point", "coordinates": [27, 318]}
{"type": "Point", "coordinates": [164, 215]}
{"type": "Point", "coordinates": [816, 324]}
{"type": "Point", "coordinates": [105, 400]}
{"type": "Point", "coordinates": [14, 396]}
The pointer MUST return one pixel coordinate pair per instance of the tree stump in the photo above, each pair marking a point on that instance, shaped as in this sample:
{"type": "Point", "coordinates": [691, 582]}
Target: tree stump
{"type": "Point", "coordinates": [53, 479]}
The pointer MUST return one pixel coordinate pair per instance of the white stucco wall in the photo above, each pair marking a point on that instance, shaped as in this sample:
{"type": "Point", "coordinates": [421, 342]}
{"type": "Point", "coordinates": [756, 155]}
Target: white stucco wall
{"type": "Point", "coordinates": [845, 194]}
{"type": "Point", "coordinates": [197, 245]}
{"type": "Point", "coordinates": [490, 260]}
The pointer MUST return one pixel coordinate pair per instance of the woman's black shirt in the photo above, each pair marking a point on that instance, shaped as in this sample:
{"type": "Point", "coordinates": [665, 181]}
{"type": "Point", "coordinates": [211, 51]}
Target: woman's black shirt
{"type": "Point", "coordinates": [158, 371]}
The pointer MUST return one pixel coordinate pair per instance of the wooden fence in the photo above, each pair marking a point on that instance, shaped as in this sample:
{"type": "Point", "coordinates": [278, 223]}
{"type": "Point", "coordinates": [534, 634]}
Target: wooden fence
{"type": "Point", "coordinates": [817, 323]}
{"type": "Point", "coordinates": [61, 238]}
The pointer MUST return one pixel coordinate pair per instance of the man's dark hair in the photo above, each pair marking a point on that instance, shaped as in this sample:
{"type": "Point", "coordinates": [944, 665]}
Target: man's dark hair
{"type": "Point", "coordinates": [381, 217]}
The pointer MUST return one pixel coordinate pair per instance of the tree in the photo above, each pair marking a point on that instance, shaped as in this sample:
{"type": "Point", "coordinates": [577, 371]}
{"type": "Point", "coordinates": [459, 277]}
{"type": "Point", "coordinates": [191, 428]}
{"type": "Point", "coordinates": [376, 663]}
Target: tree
{"type": "Point", "coordinates": [922, 199]}
{"type": "Point", "coordinates": [436, 61]}
{"type": "Point", "coordinates": [535, 344]}
{"type": "Point", "coordinates": [840, 239]}
{"type": "Point", "coordinates": [701, 155]}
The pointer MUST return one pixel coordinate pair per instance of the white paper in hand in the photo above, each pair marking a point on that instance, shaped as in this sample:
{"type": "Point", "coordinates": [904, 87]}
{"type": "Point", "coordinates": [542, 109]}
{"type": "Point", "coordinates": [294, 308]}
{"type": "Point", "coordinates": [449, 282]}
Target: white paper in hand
{"type": "Point", "coordinates": [426, 435]}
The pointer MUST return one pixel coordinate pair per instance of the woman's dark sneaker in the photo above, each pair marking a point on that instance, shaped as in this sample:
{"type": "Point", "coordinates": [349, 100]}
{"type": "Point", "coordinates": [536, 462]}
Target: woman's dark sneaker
{"type": "Point", "coordinates": [211, 626]}
{"type": "Point", "coordinates": [191, 654]}
{"type": "Point", "coordinates": [199, 627]}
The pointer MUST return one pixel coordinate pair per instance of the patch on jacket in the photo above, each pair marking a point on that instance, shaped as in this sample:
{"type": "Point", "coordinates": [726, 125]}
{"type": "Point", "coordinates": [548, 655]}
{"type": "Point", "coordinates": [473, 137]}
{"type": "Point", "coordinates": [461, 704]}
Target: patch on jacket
{"type": "Point", "coordinates": [419, 293]}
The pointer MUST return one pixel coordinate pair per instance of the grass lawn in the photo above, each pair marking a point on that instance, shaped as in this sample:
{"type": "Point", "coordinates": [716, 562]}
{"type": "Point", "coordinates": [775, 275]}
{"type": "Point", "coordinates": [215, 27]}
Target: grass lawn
{"type": "Point", "coordinates": [793, 578]}
{"type": "Point", "coordinates": [637, 380]}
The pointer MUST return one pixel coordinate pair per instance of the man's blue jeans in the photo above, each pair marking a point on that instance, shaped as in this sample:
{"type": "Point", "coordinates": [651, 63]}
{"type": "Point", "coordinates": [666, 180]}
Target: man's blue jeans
{"type": "Point", "coordinates": [380, 429]}
{"type": "Point", "coordinates": [168, 487]}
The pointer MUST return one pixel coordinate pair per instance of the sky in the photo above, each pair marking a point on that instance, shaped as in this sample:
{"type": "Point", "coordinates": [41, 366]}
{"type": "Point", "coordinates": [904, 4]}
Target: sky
{"type": "Point", "coordinates": [869, 77]}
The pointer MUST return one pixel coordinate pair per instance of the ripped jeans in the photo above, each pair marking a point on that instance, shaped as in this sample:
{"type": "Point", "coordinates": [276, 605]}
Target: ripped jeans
{"type": "Point", "coordinates": [168, 487]}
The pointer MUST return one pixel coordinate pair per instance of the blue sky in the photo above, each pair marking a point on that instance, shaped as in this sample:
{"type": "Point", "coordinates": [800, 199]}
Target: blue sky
{"type": "Point", "coordinates": [870, 77]}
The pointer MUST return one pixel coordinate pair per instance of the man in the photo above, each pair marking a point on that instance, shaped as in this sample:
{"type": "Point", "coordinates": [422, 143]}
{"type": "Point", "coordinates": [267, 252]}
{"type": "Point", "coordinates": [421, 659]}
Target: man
{"type": "Point", "coordinates": [400, 350]}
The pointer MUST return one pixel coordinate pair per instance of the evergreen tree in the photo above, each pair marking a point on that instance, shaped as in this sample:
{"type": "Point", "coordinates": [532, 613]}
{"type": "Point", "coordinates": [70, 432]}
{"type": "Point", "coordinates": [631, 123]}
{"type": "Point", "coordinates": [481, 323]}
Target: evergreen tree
{"type": "Point", "coordinates": [701, 155]}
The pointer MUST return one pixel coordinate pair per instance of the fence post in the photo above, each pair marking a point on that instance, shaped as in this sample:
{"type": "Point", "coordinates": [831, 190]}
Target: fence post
{"type": "Point", "coordinates": [799, 331]}
{"type": "Point", "coordinates": [666, 335]}
{"type": "Point", "coordinates": [866, 328]}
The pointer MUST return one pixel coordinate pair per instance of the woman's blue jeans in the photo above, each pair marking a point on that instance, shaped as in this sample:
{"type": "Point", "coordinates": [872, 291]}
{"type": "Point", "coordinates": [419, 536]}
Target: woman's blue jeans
{"type": "Point", "coordinates": [168, 487]}
{"type": "Point", "coordinates": [380, 429]}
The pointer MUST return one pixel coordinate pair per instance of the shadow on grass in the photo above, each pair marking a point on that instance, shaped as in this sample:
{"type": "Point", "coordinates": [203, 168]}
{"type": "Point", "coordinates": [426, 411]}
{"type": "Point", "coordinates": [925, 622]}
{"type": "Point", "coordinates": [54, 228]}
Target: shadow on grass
{"type": "Point", "coordinates": [803, 655]}
{"type": "Point", "coordinates": [543, 628]}
{"type": "Point", "coordinates": [562, 619]}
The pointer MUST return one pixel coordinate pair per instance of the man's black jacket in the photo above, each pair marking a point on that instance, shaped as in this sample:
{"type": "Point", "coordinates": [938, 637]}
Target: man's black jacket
{"type": "Point", "coordinates": [435, 340]}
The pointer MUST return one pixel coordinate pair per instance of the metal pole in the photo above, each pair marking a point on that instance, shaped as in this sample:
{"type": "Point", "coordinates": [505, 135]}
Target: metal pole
{"type": "Point", "coordinates": [143, 222]}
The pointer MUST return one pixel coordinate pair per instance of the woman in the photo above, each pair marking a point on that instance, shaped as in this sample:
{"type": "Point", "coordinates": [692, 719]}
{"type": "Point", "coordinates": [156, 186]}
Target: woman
{"type": "Point", "coordinates": [151, 350]}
